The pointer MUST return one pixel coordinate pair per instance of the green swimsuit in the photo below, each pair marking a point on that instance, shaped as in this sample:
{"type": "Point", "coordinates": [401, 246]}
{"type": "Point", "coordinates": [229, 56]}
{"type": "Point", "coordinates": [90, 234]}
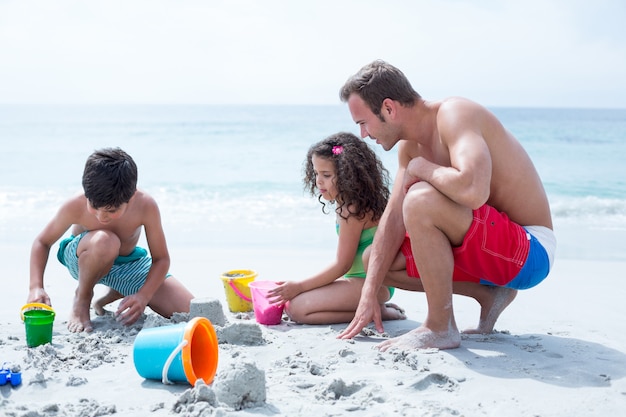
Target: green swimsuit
{"type": "Point", "coordinates": [357, 270]}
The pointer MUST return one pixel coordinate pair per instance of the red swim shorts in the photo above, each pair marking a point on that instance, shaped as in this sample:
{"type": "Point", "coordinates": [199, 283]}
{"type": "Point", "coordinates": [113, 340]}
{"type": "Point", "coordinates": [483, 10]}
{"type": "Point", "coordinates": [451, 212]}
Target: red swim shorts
{"type": "Point", "coordinates": [494, 249]}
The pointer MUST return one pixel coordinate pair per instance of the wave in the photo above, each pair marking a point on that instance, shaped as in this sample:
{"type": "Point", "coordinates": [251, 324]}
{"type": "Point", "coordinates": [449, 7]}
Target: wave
{"type": "Point", "coordinates": [587, 227]}
{"type": "Point", "coordinates": [593, 211]}
{"type": "Point", "coordinates": [256, 203]}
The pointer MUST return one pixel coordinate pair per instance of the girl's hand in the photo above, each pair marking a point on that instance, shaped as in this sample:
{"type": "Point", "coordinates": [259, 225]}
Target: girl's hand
{"type": "Point", "coordinates": [284, 292]}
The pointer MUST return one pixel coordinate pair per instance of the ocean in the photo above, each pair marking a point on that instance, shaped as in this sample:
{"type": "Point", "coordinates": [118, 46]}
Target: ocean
{"type": "Point", "coordinates": [231, 176]}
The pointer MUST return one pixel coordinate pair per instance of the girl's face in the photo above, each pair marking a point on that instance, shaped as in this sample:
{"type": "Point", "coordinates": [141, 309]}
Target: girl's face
{"type": "Point", "coordinates": [325, 177]}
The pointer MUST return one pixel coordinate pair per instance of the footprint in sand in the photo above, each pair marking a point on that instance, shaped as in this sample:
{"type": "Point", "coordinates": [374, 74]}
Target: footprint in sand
{"type": "Point", "coordinates": [436, 380]}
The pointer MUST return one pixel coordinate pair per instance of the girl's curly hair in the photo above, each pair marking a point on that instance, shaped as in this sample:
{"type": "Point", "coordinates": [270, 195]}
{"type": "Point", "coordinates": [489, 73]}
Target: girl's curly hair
{"type": "Point", "coordinates": [361, 179]}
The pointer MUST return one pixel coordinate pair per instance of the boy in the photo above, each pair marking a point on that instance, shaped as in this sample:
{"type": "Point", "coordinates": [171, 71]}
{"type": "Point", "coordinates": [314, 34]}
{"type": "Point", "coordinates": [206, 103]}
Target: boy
{"type": "Point", "coordinates": [106, 222]}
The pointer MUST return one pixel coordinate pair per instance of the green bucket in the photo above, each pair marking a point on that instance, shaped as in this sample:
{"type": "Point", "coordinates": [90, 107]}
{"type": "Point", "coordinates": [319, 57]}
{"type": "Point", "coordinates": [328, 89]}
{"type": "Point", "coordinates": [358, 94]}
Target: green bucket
{"type": "Point", "coordinates": [38, 319]}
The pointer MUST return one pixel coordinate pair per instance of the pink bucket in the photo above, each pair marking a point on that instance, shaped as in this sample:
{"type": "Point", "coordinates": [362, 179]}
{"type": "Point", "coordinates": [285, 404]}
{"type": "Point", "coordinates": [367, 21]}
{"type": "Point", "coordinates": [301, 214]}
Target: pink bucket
{"type": "Point", "coordinates": [264, 311]}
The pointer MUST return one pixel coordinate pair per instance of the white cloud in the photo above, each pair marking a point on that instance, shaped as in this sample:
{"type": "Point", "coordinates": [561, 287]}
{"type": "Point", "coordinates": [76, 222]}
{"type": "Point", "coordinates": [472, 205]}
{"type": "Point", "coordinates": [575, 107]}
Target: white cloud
{"type": "Point", "coordinates": [533, 53]}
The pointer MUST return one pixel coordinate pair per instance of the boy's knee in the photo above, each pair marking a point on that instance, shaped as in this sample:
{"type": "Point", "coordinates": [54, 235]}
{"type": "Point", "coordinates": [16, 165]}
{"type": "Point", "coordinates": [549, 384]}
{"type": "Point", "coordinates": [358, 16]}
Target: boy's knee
{"type": "Point", "coordinates": [102, 243]}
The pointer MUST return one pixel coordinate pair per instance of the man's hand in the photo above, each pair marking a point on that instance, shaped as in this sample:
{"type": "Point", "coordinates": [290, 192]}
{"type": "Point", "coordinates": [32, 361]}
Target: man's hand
{"type": "Point", "coordinates": [367, 311]}
{"type": "Point", "coordinates": [130, 309]}
{"type": "Point", "coordinates": [409, 177]}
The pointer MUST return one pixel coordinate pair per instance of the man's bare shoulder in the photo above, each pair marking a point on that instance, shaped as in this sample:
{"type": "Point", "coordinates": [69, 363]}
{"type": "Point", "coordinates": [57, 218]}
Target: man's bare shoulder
{"type": "Point", "coordinates": [456, 102]}
{"type": "Point", "coordinates": [459, 107]}
{"type": "Point", "coordinates": [457, 115]}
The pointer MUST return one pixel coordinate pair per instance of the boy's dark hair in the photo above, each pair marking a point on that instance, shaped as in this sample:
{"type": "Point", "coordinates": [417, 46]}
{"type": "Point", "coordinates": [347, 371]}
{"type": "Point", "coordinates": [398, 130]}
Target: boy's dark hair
{"type": "Point", "coordinates": [361, 179]}
{"type": "Point", "coordinates": [377, 81]}
{"type": "Point", "coordinates": [110, 178]}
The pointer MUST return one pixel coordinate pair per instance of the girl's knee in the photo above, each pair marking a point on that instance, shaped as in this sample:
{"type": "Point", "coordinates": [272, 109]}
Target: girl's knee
{"type": "Point", "coordinates": [296, 310]}
{"type": "Point", "coordinates": [383, 295]}
{"type": "Point", "coordinates": [366, 257]}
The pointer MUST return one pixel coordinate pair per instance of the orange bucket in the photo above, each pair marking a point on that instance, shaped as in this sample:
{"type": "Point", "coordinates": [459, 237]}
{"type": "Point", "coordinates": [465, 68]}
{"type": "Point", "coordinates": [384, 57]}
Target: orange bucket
{"type": "Point", "coordinates": [183, 352]}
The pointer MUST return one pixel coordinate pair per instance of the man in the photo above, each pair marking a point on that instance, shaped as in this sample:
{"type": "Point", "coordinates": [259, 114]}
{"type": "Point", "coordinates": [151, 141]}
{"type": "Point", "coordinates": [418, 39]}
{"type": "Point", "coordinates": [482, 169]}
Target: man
{"type": "Point", "coordinates": [467, 210]}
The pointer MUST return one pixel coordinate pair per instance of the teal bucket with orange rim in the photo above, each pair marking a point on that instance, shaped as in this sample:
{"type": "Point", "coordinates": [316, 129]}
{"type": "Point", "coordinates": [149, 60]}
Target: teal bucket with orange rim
{"type": "Point", "coordinates": [178, 353]}
{"type": "Point", "coordinates": [38, 319]}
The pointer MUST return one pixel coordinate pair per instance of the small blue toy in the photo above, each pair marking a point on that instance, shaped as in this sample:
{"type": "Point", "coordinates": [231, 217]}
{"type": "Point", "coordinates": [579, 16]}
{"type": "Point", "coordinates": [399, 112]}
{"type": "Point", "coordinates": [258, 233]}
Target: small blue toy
{"type": "Point", "coordinates": [10, 375]}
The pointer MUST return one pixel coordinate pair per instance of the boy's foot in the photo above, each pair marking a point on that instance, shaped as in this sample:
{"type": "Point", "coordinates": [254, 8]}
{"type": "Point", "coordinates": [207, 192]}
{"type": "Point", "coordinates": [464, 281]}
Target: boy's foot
{"type": "Point", "coordinates": [77, 326]}
{"type": "Point", "coordinates": [98, 307]}
{"type": "Point", "coordinates": [108, 298]}
{"type": "Point", "coordinates": [79, 320]}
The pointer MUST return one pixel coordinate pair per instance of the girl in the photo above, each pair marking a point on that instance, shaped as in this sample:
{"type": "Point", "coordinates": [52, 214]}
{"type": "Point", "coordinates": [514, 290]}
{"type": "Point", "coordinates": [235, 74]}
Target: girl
{"type": "Point", "coordinates": [343, 170]}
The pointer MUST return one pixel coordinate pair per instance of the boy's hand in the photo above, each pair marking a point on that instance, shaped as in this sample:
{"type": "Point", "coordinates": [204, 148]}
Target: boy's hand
{"type": "Point", "coordinates": [38, 295]}
{"type": "Point", "coordinates": [130, 309]}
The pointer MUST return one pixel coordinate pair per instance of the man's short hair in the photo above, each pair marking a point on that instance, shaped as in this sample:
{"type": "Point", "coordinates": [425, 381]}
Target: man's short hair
{"type": "Point", "coordinates": [378, 81]}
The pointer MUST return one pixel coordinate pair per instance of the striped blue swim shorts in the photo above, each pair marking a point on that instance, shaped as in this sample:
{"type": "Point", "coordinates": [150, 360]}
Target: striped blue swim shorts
{"type": "Point", "coordinates": [127, 275]}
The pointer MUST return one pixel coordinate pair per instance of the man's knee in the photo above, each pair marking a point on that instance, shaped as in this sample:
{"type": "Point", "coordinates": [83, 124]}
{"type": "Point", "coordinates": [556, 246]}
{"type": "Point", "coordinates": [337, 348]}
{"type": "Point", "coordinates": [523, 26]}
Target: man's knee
{"type": "Point", "coordinates": [420, 202]}
{"type": "Point", "coordinates": [426, 209]}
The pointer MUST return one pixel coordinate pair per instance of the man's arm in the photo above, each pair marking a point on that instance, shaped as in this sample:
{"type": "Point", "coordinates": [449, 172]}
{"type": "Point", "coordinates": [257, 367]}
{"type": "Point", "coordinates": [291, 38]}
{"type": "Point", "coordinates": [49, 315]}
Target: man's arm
{"type": "Point", "coordinates": [385, 246]}
{"type": "Point", "coordinates": [464, 175]}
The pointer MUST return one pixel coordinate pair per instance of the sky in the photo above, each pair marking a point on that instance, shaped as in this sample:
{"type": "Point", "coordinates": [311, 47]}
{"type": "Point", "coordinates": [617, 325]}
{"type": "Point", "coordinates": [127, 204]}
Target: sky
{"type": "Point", "coordinates": [532, 53]}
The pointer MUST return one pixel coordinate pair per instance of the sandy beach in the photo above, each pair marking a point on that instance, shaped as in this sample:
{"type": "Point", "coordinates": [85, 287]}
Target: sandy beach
{"type": "Point", "coordinates": [559, 350]}
{"type": "Point", "coordinates": [219, 102]}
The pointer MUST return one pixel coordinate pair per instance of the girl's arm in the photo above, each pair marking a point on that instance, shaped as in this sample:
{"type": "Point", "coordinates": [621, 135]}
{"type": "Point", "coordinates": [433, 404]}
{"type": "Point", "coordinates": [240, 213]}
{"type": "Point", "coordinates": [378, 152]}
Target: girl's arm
{"type": "Point", "coordinates": [349, 237]}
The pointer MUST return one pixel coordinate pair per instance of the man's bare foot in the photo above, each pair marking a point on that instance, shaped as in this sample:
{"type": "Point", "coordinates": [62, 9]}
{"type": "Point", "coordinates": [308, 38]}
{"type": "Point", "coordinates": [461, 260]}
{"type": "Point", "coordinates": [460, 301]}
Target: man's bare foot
{"type": "Point", "coordinates": [423, 338]}
{"type": "Point", "coordinates": [79, 320]}
{"type": "Point", "coordinates": [391, 311]}
{"type": "Point", "coordinates": [491, 309]}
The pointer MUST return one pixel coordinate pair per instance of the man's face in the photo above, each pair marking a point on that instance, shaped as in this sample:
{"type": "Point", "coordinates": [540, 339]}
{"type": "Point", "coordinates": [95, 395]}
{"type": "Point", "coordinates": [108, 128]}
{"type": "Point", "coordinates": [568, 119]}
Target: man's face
{"type": "Point", "coordinates": [370, 124]}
